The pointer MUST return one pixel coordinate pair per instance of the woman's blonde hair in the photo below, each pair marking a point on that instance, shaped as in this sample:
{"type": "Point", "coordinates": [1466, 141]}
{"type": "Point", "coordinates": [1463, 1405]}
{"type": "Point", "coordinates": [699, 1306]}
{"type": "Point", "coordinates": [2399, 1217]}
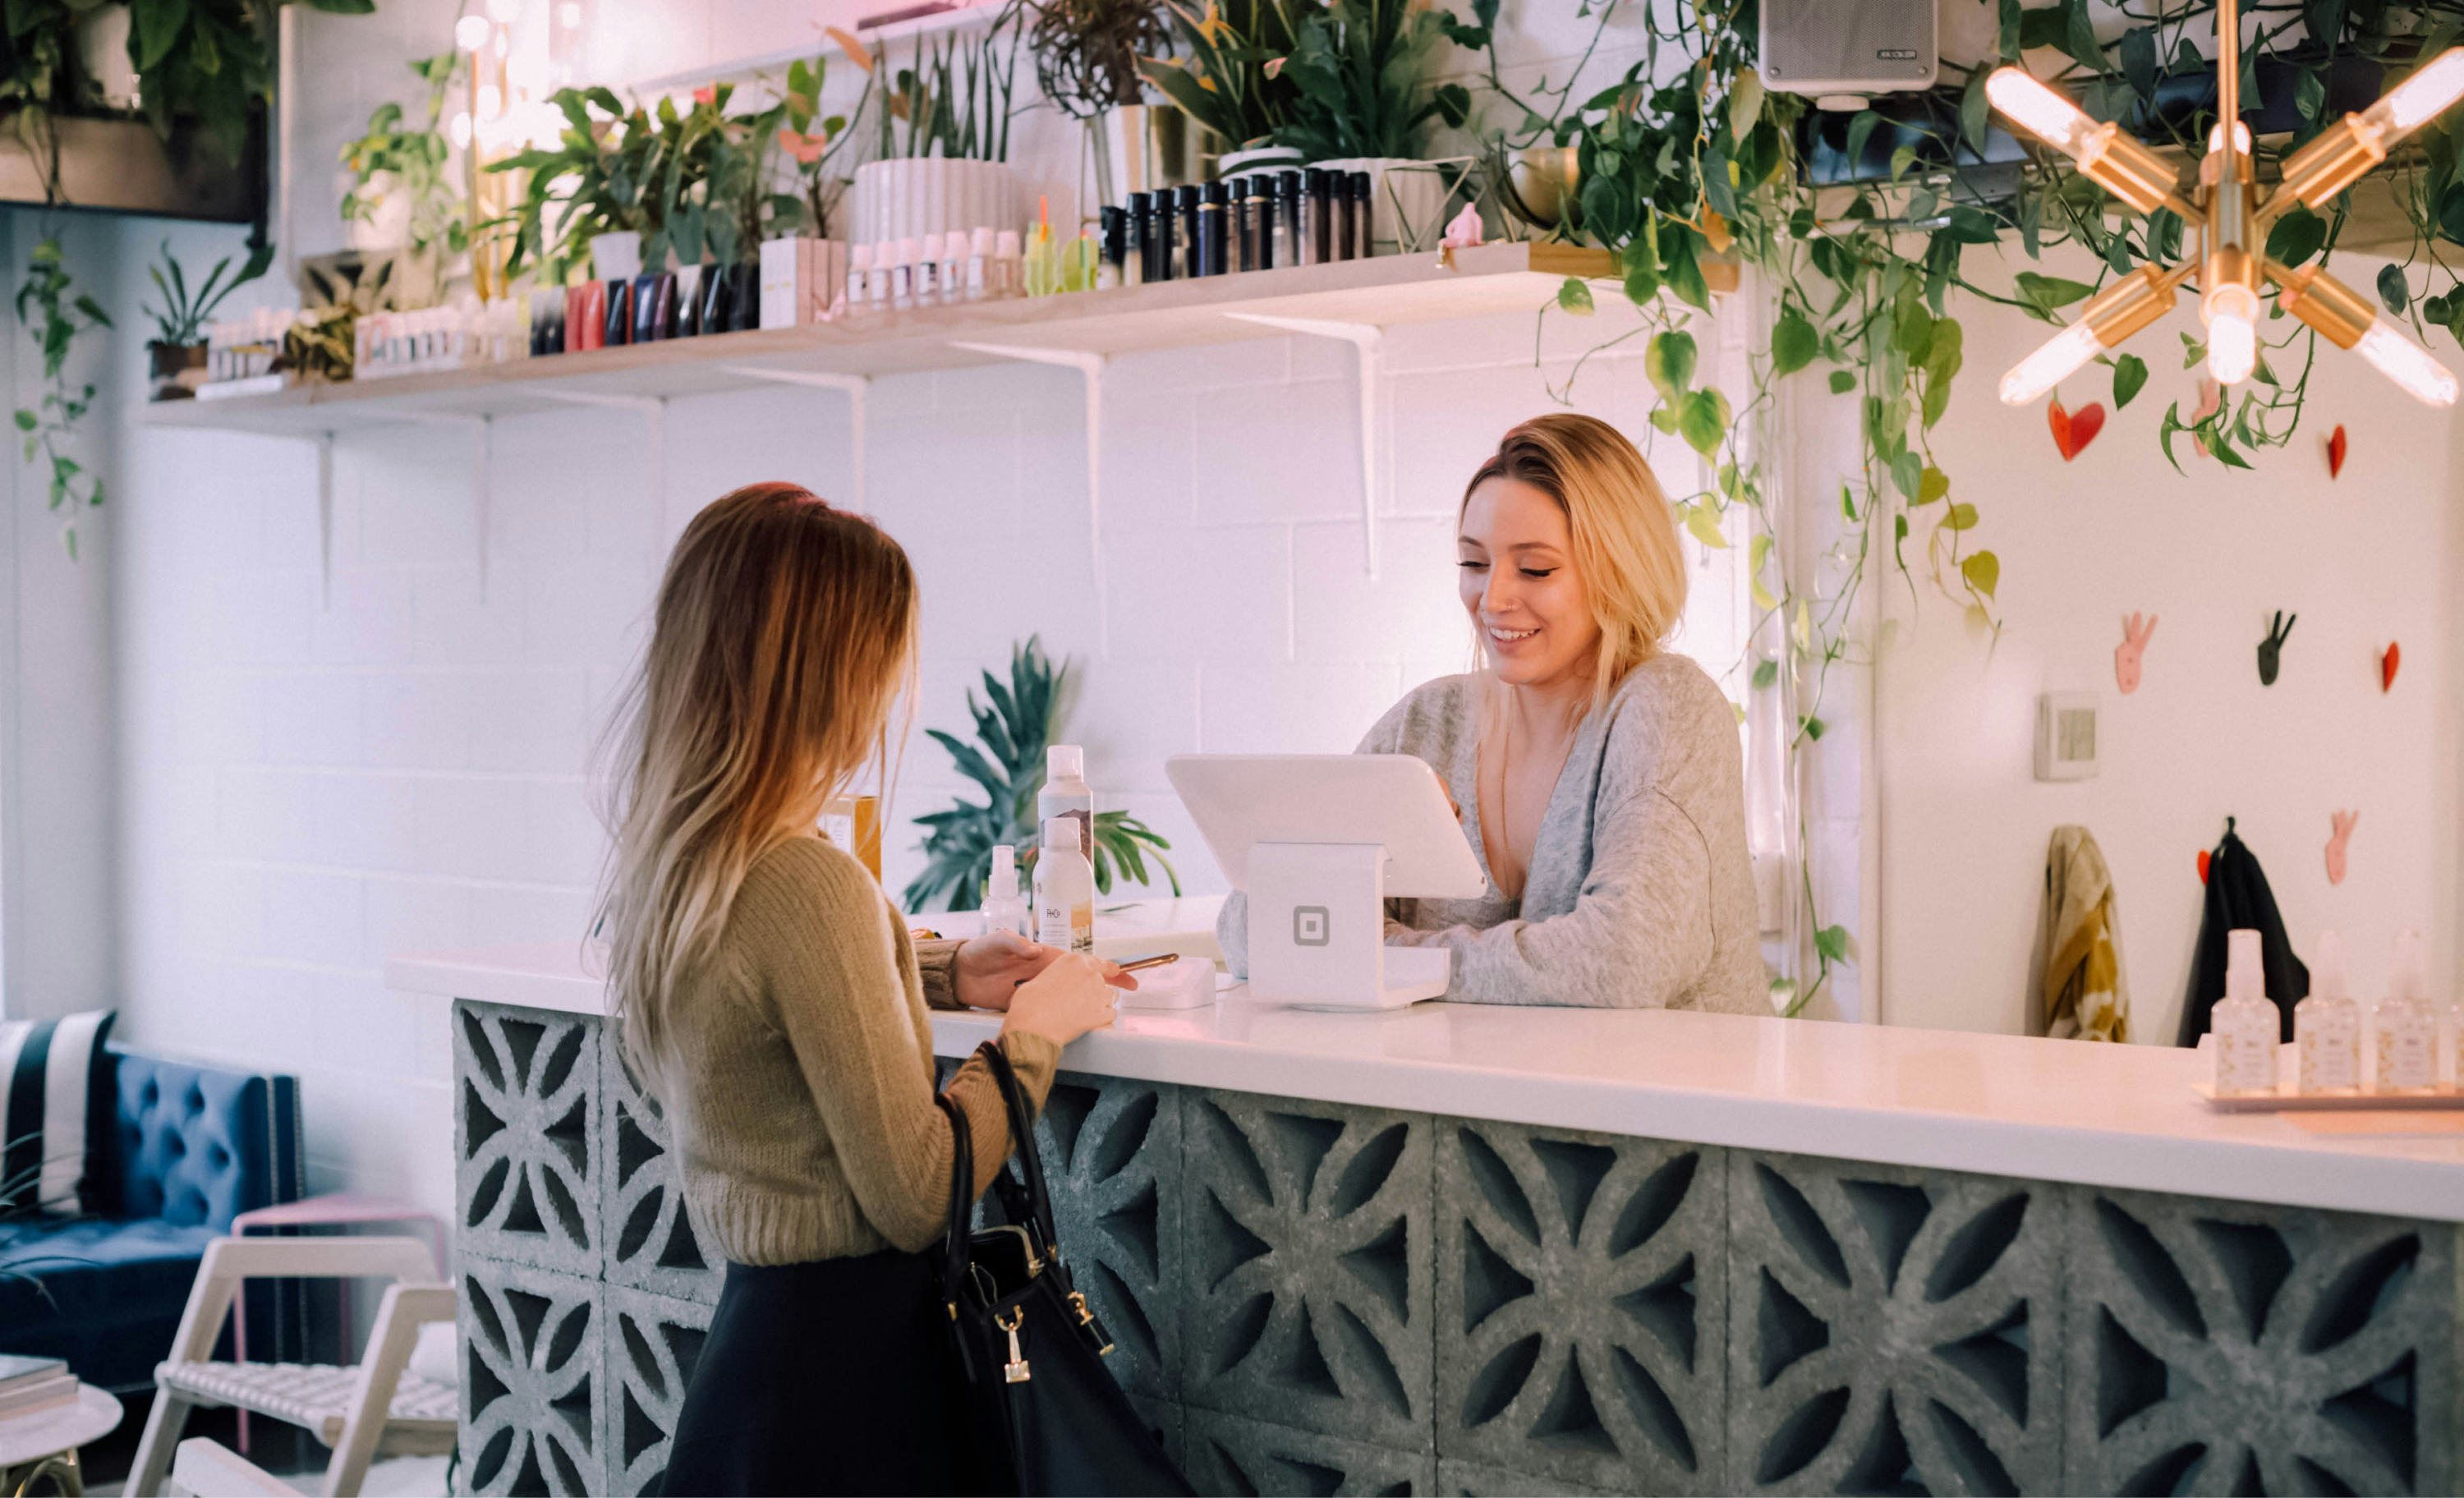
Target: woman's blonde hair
{"type": "Point", "coordinates": [1624, 540]}
{"type": "Point", "coordinates": [784, 631]}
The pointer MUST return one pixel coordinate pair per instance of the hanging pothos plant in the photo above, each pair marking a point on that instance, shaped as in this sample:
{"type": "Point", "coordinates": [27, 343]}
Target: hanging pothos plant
{"type": "Point", "coordinates": [1686, 158]}
{"type": "Point", "coordinates": [54, 315]}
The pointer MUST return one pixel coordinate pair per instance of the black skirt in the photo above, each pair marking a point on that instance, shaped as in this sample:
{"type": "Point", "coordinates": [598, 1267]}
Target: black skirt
{"type": "Point", "coordinates": [835, 1377]}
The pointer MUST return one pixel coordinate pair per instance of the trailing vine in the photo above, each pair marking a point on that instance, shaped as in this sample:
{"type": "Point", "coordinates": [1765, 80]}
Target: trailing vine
{"type": "Point", "coordinates": [1685, 159]}
{"type": "Point", "coordinates": [48, 424]}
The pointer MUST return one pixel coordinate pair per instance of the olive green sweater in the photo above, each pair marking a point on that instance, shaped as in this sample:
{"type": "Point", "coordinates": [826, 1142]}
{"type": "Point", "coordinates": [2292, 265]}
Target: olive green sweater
{"type": "Point", "coordinates": [799, 1073]}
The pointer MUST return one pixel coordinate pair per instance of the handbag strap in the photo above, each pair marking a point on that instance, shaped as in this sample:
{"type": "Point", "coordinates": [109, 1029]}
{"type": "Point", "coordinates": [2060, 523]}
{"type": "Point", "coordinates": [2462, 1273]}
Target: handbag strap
{"type": "Point", "coordinates": [962, 1178]}
{"type": "Point", "coordinates": [1022, 1132]}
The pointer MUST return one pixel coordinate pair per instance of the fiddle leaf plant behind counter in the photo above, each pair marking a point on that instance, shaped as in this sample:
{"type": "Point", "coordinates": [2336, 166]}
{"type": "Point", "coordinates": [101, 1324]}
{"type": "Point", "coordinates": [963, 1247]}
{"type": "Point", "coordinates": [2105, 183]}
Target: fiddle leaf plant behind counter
{"type": "Point", "coordinates": [1018, 722]}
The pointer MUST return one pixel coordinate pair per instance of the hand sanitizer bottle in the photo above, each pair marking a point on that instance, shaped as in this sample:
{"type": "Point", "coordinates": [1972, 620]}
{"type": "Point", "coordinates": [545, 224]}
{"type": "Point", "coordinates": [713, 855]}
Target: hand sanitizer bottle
{"type": "Point", "coordinates": [2327, 1025]}
{"type": "Point", "coordinates": [2244, 1024]}
{"type": "Point", "coordinates": [1004, 909]}
{"type": "Point", "coordinates": [1065, 890]}
{"type": "Point", "coordinates": [2408, 1026]}
{"type": "Point", "coordinates": [1066, 794]}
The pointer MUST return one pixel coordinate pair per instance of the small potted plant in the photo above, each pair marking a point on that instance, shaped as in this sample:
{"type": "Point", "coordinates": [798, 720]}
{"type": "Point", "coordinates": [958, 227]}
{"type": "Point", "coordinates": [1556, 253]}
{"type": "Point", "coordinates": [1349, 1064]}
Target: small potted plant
{"type": "Point", "coordinates": [1086, 54]}
{"type": "Point", "coordinates": [941, 153]}
{"type": "Point", "coordinates": [1359, 105]}
{"type": "Point", "coordinates": [177, 351]}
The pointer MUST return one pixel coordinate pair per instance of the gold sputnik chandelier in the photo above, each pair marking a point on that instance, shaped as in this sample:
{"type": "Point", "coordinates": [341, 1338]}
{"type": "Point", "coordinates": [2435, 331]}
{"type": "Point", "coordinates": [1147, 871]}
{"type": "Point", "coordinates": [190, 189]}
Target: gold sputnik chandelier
{"type": "Point", "coordinates": [2234, 219]}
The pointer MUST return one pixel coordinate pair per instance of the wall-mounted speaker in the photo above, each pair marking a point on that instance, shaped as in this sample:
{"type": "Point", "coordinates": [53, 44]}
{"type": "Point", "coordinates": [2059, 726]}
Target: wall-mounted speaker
{"type": "Point", "coordinates": [1848, 46]}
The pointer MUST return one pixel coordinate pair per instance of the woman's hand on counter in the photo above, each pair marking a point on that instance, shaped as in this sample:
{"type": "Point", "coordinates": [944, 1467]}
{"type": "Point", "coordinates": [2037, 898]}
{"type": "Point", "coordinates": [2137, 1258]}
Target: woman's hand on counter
{"type": "Point", "coordinates": [1071, 995]}
{"type": "Point", "coordinates": [990, 968]}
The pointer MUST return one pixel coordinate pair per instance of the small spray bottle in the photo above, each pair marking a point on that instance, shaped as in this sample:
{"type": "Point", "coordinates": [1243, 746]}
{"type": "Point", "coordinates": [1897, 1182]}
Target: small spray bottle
{"type": "Point", "coordinates": [1003, 909]}
{"type": "Point", "coordinates": [2244, 1024]}
{"type": "Point", "coordinates": [2327, 1025]}
{"type": "Point", "coordinates": [2408, 1025]}
{"type": "Point", "coordinates": [1043, 254]}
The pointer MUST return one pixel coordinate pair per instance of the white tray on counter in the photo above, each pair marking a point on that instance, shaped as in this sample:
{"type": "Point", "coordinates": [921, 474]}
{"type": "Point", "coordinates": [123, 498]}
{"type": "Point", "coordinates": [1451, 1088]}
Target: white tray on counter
{"type": "Point", "coordinates": [2281, 1101]}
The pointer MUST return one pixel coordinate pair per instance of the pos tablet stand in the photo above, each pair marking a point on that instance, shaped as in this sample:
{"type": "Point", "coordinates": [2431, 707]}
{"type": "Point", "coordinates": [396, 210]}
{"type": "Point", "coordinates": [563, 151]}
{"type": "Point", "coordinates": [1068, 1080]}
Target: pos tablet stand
{"type": "Point", "coordinates": [1319, 842]}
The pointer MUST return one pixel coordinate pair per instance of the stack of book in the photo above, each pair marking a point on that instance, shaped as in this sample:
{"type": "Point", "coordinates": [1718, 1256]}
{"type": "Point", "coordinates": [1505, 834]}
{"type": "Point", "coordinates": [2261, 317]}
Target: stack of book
{"type": "Point", "coordinates": [28, 1384]}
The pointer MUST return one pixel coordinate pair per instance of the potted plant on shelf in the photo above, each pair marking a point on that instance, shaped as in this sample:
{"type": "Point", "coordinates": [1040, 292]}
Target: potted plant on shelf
{"type": "Point", "coordinates": [177, 350]}
{"type": "Point", "coordinates": [404, 195]}
{"type": "Point", "coordinates": [942, 148]}
{"type": "Point", "coordinates": [1231, 83]}
{"type": "Point", "coordinates": [1017, 721]}
{"type": "Point", "coordinates": [1086, 54]}
{"type": "Point", "coordinates": [1360, 107]}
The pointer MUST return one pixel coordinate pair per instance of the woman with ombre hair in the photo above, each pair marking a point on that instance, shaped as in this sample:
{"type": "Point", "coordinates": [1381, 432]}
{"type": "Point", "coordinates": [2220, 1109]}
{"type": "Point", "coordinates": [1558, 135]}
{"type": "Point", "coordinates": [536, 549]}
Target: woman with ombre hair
{"type": "Point", "coordinates": [768, 995]}
{"type": "Point", "coordinates": [1600, 776]}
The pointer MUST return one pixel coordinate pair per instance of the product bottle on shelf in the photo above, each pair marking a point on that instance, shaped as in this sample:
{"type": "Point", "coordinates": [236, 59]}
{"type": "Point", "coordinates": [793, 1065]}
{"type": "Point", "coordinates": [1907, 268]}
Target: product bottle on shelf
{"type": "Point", "coordinates": [980, 269]}
{"type": "Point", "coordinates": [859, 284]}
{"type": "Point", "coordinates": [2244, 1027]}
{"type": "Point", "coordinates": [928, 272]}
{"type": "Point", "coordinates": [2327, 1025]}
{"type": "Point", "coordinates": [1363, 192]}
{"type": "Point", "coordinates": [1287, 217]}
{"type": "Point", "coordinates": [1065, 890]}
{"type": "Point", "coordinates": [2406, 1025]}
{"type": "Point", "coordinates": [1009, 262]}
{"type": "Point", "coordinates": [1003, 909]}
{"type": "Point", "coordinates": [1066, 794]}
{"type": "Point", "coordinates": [952, 276]}
{"type": "Point", "coordinates": [1115, 239]}
{"type": "Point", "coordinates": [1133, 244]}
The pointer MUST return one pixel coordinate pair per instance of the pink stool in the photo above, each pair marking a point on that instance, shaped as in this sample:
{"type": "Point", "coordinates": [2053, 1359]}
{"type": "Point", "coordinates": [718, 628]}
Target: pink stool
{"type": "Point", "coordinates": [335, 1209]}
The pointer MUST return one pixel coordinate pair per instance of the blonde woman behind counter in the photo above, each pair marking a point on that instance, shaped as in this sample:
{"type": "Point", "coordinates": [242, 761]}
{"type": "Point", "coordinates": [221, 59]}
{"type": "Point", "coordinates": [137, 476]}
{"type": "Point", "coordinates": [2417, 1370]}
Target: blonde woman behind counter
{"type": "Point", "coordinates": [1604, 774]}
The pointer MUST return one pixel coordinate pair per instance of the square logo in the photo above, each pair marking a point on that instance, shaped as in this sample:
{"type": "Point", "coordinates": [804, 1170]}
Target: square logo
{"type": "Point", "coordinates": [1309, 926]}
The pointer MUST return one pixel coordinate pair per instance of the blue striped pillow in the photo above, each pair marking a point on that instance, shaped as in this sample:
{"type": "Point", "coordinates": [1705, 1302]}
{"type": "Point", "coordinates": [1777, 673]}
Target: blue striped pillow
{"type": "Point", "coordinates": [55, 1113]}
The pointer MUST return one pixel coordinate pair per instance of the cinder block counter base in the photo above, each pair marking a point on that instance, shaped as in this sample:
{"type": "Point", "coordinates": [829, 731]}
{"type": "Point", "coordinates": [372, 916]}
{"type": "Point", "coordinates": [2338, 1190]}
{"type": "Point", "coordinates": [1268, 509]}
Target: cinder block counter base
{"type": "Point", "coordinates": [1322, 1296]}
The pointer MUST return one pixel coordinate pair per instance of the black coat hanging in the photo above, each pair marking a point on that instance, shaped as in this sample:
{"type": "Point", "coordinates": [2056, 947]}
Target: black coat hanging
{"type": "Point", "coordinates": [2238, 899]}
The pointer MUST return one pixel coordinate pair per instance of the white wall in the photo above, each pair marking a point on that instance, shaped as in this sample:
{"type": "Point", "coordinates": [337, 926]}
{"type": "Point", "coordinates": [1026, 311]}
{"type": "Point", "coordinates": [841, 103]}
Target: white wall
{"type": "Point", "coordinates": [2365, 559]}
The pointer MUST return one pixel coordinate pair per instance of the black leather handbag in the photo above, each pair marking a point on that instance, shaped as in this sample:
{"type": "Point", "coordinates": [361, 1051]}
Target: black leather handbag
{"type": "Point", "coordinates": [1046, 1415]}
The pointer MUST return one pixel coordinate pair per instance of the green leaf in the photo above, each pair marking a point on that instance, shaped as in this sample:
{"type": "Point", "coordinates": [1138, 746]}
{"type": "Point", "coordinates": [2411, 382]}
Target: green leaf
{"type": "Point", "coordinates": [1983, 572]}
{"type": "Point", "coordinates": [1970, 226]}
{"type": "Point", "coordinates": [1766, 674]}
{"type": "Point", "coordinates": [2450, 212]}
{"type": "Point", "coordinates": [2310, 94]}
{"type": "Point", "coordinates": [1703, 420]}
{"type": "Point", "coordinates": [1704, 523]}
{"type": "Point", "coordinates": [1664, 418]}
{"type": "Point", "coordinates": [2297, 236]}
{"type": "Point", "coordinates": [2078, 37]}
{"type": "Point", "coordinates": [2044, 293]}
{"type": "Point", "coordinates": [1975, 112]}
{"type": "Point", "coordinates": [1943, 356]}
{"type": "Point", "coordinates": [25, 421]}
{"type": "Point", "coordinates": [1911, 329]}
{"type": "Point", "coordinates": [2139, 60]}
{"type": "Point", "coordinates": [1959, 517]}
{"type": "Point", "coordinates": [1907, 474]}
{"type": "Point", "coordinates": [1745, 102]}
{"type": "Point", "coordinates": [1812, 727]}
{"type": "Point", "coordinates": [1576, 296]}
{"type": "Point", "coordinates": [2129, 376]}
{"type": "Point", "coordinates": [1669, 362]}
{"type": "Point", "coordinates": [1860, 131]}
{"type": "Point", "coordinates": [1931, 485]}
{"type": "Point", "coordinates": [1832, 941]}
{"type": "Point", "coordinates": [1843, 382]}
{"type": "Point", "coordinates": [1794, 342]}
{"type": "Point", "coordinates": [2392, 289]}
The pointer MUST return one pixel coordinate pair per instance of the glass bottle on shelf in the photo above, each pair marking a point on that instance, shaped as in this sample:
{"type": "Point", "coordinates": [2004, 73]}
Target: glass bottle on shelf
{"type": "Point", "coordinates": [2327, 1025]}
{"type": "Point", "coordinates": [2244, 1025]}
{"type": "Point", "coordinates": [2406, 1049]}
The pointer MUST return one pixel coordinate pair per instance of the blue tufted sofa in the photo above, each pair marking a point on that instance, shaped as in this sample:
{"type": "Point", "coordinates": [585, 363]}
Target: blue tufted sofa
{"type": "Point", "coordinates": [193, 1148]}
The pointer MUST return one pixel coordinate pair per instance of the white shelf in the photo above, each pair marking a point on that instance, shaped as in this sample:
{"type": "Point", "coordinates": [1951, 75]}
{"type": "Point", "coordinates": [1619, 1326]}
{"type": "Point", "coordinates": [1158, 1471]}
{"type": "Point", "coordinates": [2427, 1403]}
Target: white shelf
{"type": "Point", "coordinates": [1385, 291]}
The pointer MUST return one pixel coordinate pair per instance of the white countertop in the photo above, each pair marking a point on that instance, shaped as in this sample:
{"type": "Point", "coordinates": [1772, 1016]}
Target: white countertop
{"type": "Point", "coordinates": [2106, 1115]}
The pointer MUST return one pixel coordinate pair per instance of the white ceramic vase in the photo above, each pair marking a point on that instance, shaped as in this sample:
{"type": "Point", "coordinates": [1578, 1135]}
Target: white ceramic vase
{"type": "Point", "coordinates": [1410, 198]}
{"type": "Point", "coordinates": [908, 197]}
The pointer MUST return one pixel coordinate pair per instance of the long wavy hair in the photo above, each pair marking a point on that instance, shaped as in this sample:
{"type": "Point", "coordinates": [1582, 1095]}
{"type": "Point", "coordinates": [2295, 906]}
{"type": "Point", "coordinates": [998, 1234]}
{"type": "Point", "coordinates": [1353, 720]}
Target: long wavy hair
{"type": "Point", "coordinates": [786, 631]}
{"type": "Point", "coordinates": [1624, 539]}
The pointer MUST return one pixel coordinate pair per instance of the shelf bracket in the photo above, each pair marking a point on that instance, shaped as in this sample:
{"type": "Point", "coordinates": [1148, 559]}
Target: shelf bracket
{"type": "Point", "coordinates": [482, 430]}
{"type": "Point", "coordinates": [654, 407]}
{"type": "Point", "coordinates": [1092, 366]}
{"type": "Point", "coordinates": [325, 441]}
{"type": "Point", "coordinates": [855, 386]}
{"type": "Point", "coordinates": [1367, 342]}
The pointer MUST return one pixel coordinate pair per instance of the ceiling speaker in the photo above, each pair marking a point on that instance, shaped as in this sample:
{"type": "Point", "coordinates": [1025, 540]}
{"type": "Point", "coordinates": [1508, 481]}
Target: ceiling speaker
{"type": "Point", "coordinates": [1848, 46]}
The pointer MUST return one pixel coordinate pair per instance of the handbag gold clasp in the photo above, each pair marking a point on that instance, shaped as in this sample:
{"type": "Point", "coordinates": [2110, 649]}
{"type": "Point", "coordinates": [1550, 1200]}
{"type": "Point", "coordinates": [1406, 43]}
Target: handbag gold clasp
{"type": "Point", "coordinates": [1087, 1318]}
{"type": "Point", "coordinates": [1015, 1370]}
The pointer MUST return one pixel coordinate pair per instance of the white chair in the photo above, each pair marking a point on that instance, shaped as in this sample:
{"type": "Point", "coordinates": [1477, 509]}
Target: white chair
{"type": "Point", "coordinates": [361, 1412]}
{"type": "Point", "coordinates": [207, 1468]}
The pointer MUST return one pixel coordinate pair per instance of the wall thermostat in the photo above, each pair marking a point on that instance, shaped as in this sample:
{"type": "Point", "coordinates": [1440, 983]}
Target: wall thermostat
{"type": "Point", "coordinates": [2066, 736]}
{"type": "Point", "coordinates": [1848, 46]}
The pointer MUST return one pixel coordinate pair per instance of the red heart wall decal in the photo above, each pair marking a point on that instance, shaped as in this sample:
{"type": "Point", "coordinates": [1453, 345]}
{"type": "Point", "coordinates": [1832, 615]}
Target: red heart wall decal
{"type": "Point", "coordinates": [2203, 856]}
{"type": "Point", "coordinates": [2074, 430]}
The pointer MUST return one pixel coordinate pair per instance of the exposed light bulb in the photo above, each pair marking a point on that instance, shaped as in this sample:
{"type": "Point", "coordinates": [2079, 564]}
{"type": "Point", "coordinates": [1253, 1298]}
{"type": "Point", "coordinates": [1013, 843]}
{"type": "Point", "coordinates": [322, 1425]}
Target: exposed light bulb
{"type": "Point", "coordinates": [2217, 138]}
{"type": "Point", "coordinates": [504, 12]}
{"type": "Point", "coordinates": [2050, 364]}
{"type": "Point", "coordinates": [2053, 119]}
{"type": "Point", "coordinates": [2232, 314]}
{"type": "Point", "coordinates": [491, 102]}
{"type": "Point", "coordinates": [2408, 364]}
{"type": "Point", "coordinates": [458, 130]}
{"type": "Point", "coordinates": [569, 15]}
{"type": "Point", "coordinates": [2420, 97]}
{"type": "Point", "coordinates": [472, 32]}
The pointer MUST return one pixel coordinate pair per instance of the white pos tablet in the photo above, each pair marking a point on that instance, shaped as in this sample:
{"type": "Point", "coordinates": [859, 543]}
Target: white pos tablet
{"type": "Point", "coordinates": [1318, 842]}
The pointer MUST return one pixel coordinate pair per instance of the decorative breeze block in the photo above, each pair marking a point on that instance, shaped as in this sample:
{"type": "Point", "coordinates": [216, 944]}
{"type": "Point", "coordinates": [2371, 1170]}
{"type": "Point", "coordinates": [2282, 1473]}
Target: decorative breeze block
{"type": "Point", "coordinates": [1308, 1294]}
{"type": "Point", "coordinates": [1229, 1454]}
{"type": "Point", "coordinates": [1471, 1479]}
{"type": "Point", "coordinates": [2220, 1347]}
{"type": "Point", "coordinates": [1111, 1159]}
{"type": "Point", "coordinates": [650, 1236]}
{"type": "Point", "coordinates": [525, 1135]}
{"type": "Point", "coordinates": [1892, 1330]}
{"type": "Point", "coordinates": [534, 1396]}
{"type": "Point", "coordinates": [653, 1343]}
{"type": "Point", "coordinates": [1582, 1306]}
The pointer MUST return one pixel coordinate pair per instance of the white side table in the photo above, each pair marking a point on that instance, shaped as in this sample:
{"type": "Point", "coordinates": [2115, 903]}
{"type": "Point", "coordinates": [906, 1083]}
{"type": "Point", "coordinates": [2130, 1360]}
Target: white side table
{"type": "Point", "coordinates": [42, 1447]}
